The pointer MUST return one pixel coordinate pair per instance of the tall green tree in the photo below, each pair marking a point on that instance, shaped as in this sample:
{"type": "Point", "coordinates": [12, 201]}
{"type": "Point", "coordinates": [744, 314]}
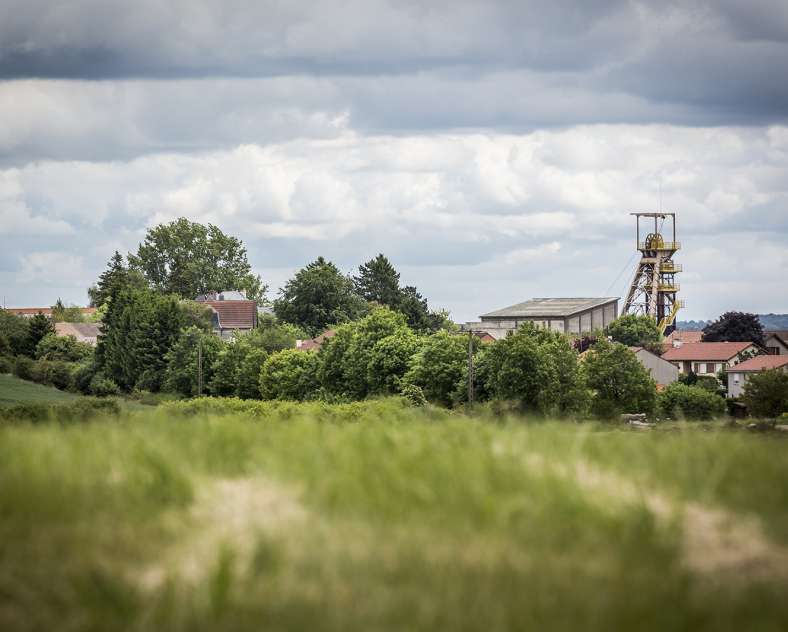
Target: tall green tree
{"type": "Point", "coordinates": [537, 368]}
{"type": "Point", "coordinates": [318, 295]}
{"type": "Point", "coordinates": [188, 259]}
{"type": "Point", "coordinates": [635, 330]}
{"type": "Point", "coordinates": [139, 329]}
{"type": "Point", "coordinates": [734, 327]}
{"type": "Point", "coordinates": [192, 356]}
{"type": "Point", "coordinates": [39, 327]}
{"type": "Point", "coordinates": [13, 333]}
{"type": "Point", "coordinates": [620, 383]}
{"type": "Point", "coordinates": [377, 281]}
{"type": "Point", "coordinates": [116, 277]}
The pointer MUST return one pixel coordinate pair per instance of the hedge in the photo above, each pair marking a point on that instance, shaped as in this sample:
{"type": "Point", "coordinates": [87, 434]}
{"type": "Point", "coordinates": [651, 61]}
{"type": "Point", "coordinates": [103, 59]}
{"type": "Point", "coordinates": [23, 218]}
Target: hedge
{"type": "Point", "coordinates": [80, 410]}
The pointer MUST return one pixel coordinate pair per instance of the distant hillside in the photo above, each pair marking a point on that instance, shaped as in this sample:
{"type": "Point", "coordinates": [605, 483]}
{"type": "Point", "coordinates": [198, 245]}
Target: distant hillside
{"type": "Point", "coordinates": [770, 322]}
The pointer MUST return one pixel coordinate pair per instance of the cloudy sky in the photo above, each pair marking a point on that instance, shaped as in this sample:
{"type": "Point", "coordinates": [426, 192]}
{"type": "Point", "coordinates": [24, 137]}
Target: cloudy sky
{"type": "Point", "coordinates": [492, 150]}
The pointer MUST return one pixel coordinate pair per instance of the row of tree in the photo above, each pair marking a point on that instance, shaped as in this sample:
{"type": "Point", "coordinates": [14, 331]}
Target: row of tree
{"type": "Point", "coordinates": [186, 259]}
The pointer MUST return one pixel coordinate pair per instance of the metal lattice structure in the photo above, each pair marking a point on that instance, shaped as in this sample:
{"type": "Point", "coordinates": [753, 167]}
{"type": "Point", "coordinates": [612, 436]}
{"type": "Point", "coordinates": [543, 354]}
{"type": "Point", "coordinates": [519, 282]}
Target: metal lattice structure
{"type": "Point", "coordinates": [654, 289]}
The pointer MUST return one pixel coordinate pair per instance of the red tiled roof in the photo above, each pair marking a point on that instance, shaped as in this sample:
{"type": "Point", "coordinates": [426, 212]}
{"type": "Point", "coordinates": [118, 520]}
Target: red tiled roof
{"type": "Point", "coordinates": [234, 314]}
{"type": "Point", "coordinates": [700, 351]}
{"type": "Point", "coordinates": [316, 343]}
{"type": "Point", "coordinates": [761, 363]}
{"type": "Point", "coordinates": [685, 336]}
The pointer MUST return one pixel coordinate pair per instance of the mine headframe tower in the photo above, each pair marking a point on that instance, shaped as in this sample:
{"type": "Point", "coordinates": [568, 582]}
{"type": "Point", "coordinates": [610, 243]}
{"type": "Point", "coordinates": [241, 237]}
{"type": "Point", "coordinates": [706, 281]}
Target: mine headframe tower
{"type": "Point", "coordinates": [653, 289]}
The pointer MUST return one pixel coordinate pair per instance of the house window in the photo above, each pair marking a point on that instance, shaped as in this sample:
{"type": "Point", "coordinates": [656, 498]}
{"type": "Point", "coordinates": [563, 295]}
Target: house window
{"type": "Point", "coordinates": [696, 367]}
{"type": "Point", "coordinates": [710, 368]}
{"type": "Point", "coordinates": [773, 350]}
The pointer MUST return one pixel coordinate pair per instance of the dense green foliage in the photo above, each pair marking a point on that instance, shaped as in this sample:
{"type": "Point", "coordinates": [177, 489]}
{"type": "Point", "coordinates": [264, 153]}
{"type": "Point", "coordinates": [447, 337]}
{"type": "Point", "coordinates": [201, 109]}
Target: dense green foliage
{"type": "Point", "coordinates": [635, 330]}
{"type": "Point", "coordinates": [734, 327]}
{"type": "Point", "coordinates": [289, 374]}
{"type": "Point", "coordinates": [65, 348]}
{"type": "Point", "coordinates": [140, 327]}
{"type": "Point", "coordinates": [766, 393]}
{"type": "Point", "coordinates": [39, 327]}
{"type": "Point", "coordinates": [379, 516]}
{"type": "Point", "coordinates": [680, 401]}
{"type": "Point", "coordinates": [13, 334]}
{"type": "Point", "coordinates": [318, 295]}
{"type": "Point", "coordinates": [440, 368]}
{"type": "Point", "coordinates": [75, 410]}
{"type": "Point", "coordinates": [191, 362]}
{"type": "Point", "coordinates": [537, 368]}
{"type": "Point", "coordinates": [188, 259]}
{"type": "Point", "coordinates": [619, 382]}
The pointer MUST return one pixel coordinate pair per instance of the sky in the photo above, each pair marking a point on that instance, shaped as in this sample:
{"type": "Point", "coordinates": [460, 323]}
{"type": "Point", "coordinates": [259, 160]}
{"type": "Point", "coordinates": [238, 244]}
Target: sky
{"type": "Point", "coordinates": [492, 150]}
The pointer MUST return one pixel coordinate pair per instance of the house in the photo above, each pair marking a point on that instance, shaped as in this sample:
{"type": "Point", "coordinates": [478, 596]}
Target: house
{"type": "Point", "coordinates": [662, 371]}
{"type": "Point", "coordinates": [707, 358]}
{"type": "Point", "coordinates": [83, 332]}
{"type": "Point", "coordinates": [683, 336]}
{"type": "Point", "coordinates": [776, 342]}
{"type": "Point", "coordinates": [737, 376]}
{"type": "Point", "coordinates": [566, 315]}
{"type": "Point", "coordinates": [29, 312]}
{"type": "Point", "coordinates": [315, 343]}
{"type": "Point", "coordinates": [230, 312]}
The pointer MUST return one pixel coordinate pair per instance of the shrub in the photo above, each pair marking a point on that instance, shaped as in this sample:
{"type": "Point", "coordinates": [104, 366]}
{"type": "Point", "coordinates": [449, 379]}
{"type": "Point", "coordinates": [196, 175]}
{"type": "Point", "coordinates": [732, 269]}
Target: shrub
{"type": "Point", "coordinates": [690, 402]}
{"type": "Point", "coordinates": [619, 382]}
{"type": "Point", "coordinates": [64, 348]}
{"type": "Point", "coordinates": [80, 410]}
{"type": "Point", "coordinates": [102, 386]}
{"type": "Point", "coordinates": [289, 374]}
{"type": "Point", "coordinates": [81, 376]}
{"type": "Point", "coordinates": [182, 362]}
{"type": "Point", "coordinates": [440, 368]}
{"type": "Point", "coordinates": [60, 375]}
{"type": "Point", "coordinates": [6, 365]}
{"type": "Point", "coordinates": [766, 393]}
{"type": "Point", "coordinates": [23, 368]}
{"type": "Point", "coordinates": [414, 395]}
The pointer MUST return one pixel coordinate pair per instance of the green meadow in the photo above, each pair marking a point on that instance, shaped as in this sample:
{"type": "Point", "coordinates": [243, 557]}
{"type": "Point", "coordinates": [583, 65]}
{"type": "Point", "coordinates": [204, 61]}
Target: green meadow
{"type": "Point", "coordinates": [15, 391]}
{"type": "Point", "coordinates": [382, 516]}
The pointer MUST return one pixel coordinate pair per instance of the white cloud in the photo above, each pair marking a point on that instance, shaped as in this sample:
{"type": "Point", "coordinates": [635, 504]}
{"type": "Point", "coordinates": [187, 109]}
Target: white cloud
{"type": "Point", "coordinates": [511, 215]}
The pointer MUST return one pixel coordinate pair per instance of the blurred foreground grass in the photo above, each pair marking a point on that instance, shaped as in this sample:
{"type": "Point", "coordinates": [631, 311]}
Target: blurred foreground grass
{"type": "Point", "coordinates": [381, 516]}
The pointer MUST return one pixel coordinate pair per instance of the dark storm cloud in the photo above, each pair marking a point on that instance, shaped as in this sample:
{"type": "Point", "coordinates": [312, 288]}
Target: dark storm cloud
{"type": "Point", "coordinates": [642, 61]}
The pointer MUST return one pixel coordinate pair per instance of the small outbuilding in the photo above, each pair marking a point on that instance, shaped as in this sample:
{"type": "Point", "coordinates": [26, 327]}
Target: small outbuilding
{"type": "Point", "coordinates": [662, 371]}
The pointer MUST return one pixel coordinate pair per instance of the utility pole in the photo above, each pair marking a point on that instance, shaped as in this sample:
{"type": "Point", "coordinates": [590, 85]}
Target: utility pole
{"type": "Point", "coordinates": [470, 368]}
{"type": "Point", "coordinates": [199, 366]}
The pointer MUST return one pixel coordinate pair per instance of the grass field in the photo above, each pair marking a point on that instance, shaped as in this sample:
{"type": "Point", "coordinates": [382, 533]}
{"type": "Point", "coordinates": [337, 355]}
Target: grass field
{"type": "Point", "coordinates": [16, 391]}
{"type": "Point", "coordinates": [378, 516]}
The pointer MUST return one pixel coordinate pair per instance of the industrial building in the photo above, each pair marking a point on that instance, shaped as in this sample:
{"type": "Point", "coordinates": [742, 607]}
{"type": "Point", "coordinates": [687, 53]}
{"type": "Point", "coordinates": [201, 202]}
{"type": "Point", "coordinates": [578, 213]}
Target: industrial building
{"type": "Point", "coordinates": [567, 315]}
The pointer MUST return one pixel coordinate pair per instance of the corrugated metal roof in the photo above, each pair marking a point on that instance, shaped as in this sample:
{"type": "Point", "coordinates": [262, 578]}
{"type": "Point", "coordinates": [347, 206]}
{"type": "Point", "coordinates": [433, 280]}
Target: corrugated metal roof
{"type": "Point", "coordinates": [549, 307]}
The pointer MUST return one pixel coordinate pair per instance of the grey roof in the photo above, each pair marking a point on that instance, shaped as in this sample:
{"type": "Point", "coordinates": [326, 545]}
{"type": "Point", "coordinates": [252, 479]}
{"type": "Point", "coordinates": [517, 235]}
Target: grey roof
{"type": "Point", "coordinates": [549, 307]}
